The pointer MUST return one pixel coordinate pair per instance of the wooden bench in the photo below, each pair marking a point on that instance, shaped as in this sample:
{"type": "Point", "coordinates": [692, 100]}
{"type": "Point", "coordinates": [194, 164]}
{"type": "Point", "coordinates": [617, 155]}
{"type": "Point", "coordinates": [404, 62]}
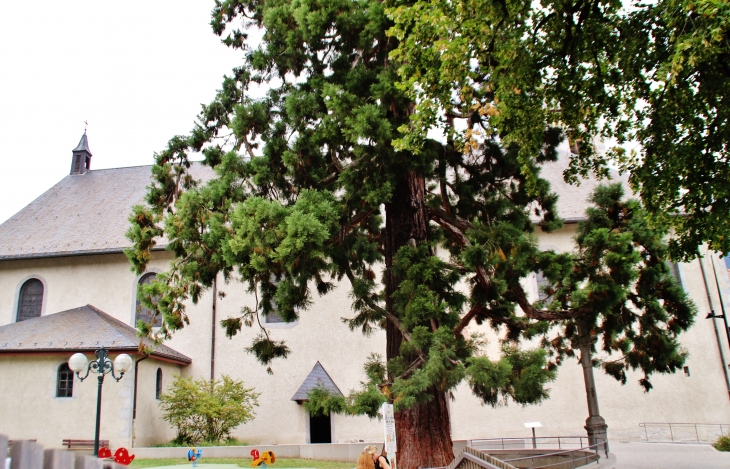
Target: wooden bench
{"type": "Point", "coordinates": [10, 444]}
{"type": "Point", "coordinates": [83, 444]}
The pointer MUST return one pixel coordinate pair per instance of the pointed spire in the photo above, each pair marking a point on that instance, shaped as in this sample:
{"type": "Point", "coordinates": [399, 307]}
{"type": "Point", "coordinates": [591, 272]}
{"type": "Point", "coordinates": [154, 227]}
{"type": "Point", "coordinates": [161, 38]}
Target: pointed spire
{"type": "Point", "coordinates": [83, 145]}
{"type": "Point", "coordinates": [81, 160]}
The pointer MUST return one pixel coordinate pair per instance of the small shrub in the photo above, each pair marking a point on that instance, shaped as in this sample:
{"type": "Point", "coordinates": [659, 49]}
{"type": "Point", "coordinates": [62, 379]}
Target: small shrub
{"type": "Point", "coordinates": [229, 442]}
{"type": "Point", "coordinates": [207, 411]}
{"type": "Point", "coordinates": [722, 443]}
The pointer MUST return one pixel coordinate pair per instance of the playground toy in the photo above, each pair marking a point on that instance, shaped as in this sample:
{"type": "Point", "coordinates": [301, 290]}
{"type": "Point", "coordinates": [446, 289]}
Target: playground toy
{"type": "Point", "coordinates": [263, 460]}
{"type": "Point", "coordinates": [121, 456]}
{"type": "Point", "coordinates": [194, 454]}
{"type": "Point", "coordinates": [105, 453]}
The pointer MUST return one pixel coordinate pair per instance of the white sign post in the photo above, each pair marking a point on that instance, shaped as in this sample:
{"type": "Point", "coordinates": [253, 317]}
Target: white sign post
{"type": "Point", "coordinates": [391, 445]}
{"type": "Point", "coordinates": [533, 425]}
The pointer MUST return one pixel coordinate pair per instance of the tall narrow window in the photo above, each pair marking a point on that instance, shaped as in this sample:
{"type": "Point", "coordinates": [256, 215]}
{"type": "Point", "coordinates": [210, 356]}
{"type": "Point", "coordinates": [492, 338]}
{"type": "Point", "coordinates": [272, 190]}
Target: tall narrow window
{"type": "Point", "coordinates": [543, 285]}
{"type": "Point", "coordinates": [145, 314]}
{"type": "Point", "coordinates": [575, 145]}
{"type": "Point", "coordinates": [31, 300]}
{"type": "Point", "coordinates": [158, 384]}
{"type": "Point", "coordinates": [65, 381]}
{"type": "Point", "coordinates": [273, 317]}
{"type": "Point", "coordinates": [674, 272]}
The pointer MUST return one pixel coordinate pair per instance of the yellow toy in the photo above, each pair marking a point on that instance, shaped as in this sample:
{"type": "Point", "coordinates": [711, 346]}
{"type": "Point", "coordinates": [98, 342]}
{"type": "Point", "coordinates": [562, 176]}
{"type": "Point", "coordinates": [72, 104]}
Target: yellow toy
{"type": "Point", "coordinates": [266, 458]}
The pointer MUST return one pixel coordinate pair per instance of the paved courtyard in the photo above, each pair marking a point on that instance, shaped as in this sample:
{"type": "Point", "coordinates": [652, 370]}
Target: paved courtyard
{"type": "Point", "coordinates": [668, 456]}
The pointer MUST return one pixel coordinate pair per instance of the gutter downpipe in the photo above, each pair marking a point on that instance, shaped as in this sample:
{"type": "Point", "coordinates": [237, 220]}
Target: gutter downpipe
{"type": "Point", "coordinates": [714, 324]}
{"type": "Point", "coordinates": [212, 330]}
{"type": "Point", "coordinates": [722, 303]}
{"type": "Point", "coordinates": [134, 399]}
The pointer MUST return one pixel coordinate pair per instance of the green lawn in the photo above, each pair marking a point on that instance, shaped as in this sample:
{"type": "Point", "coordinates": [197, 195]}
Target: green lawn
{"type": "Point", "coordinates": [243, 462]}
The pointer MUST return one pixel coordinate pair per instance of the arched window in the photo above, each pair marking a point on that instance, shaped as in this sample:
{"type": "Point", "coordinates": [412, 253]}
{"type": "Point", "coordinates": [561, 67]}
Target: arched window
{"type": "Point", "coordinates": [64, 381]}
{"type": "Point", "coordinates": [145, 314]}
{"type": "Point", "coordinates": [158, 383]}
{"type": "Point", "coordinates": [30, 301]}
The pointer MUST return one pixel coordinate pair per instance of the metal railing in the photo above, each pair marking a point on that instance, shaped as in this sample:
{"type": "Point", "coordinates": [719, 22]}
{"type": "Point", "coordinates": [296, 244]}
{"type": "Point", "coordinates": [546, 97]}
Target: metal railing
{"type": "Point", "coordinates": [536, 442]}
{"type": "Point", "coordinates": [679, 431]}
{"type": "Point", "coordinates": [594, 454]}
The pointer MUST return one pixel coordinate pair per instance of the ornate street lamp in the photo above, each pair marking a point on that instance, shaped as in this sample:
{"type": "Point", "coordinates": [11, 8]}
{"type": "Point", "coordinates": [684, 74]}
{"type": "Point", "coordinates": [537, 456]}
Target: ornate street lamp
{"type": "Point", "coordinates": [101, 366]}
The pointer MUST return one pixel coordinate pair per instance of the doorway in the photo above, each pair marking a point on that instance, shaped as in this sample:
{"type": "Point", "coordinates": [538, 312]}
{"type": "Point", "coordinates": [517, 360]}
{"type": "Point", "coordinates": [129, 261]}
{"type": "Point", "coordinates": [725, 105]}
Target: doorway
{"type": "Point", "coordinates": [320, 429]}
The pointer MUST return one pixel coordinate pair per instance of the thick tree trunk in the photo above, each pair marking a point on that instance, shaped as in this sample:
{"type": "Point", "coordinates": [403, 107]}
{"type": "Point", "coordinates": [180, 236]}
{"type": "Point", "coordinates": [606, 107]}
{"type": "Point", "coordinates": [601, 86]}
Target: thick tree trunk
{"type": "Point", "coordinates": [423, 432]}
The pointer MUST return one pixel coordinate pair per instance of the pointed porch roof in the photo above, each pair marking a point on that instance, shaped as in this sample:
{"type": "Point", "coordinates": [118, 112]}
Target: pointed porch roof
{"type": "Point", "coordinates": [317, 377]}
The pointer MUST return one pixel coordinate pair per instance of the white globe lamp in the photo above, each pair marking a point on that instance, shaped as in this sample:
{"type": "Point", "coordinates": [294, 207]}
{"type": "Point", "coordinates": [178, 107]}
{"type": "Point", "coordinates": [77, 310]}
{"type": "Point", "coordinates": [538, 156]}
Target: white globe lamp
{"type": "Point", "coordinates": [123, 363]}
{"type": "Point", "coordinates": [77, 362]}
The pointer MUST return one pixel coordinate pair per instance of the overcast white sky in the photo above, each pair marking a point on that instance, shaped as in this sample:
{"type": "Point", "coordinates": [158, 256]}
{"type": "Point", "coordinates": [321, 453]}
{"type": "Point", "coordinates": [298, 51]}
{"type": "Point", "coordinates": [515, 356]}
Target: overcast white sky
{"type": "Point", "coordinates": [136, 70]}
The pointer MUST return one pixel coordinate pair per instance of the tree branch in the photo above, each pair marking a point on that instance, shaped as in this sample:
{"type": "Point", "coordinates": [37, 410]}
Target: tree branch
{"type": "Point", "coordinates": [387, 314]}
{"type": "Point", "coordinates": [359, 218]}
{"type": "Point", "coordinates": [412, 368]}
{"type": "Point", "coordinates": [461, 238]}
{"type": "Point", "coordinates": [483, 278]}
{"type": "Point", "coordinates": [476, 309]}
{"type": "Point", "coordinates": [541, 315]}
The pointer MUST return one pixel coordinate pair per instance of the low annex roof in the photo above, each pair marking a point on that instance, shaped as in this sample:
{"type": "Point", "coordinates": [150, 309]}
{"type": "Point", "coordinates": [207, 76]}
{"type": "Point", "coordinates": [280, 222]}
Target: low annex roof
{"type": "Point", "coordinates": [317, 377]}
{"type": "Point", "coordinates": [83, 329]}
{"type": "Point", "coordinates": [82, 214]}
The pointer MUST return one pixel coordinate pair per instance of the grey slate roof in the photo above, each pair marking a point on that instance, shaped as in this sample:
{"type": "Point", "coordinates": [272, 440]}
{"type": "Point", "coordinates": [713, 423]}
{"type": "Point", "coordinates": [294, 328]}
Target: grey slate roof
{"type": "Point", "coordinates": [317, 377]}
{"type": "Point", "coordinates": [87, 213]}
{"type": "Point", "coordinates": [83, 145]}
{"type": "Point", "coordinates": [83, 329]}
{"type": "Point", "coordinates": [81, 214]}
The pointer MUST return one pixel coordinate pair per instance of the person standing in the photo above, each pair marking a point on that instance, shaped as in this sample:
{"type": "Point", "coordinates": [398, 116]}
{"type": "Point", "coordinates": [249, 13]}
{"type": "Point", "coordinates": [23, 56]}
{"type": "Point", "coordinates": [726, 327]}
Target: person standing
{"type": "Point", "coordinates": [365, 461]}
{"type": "Point", "coordinates": [380, 461]}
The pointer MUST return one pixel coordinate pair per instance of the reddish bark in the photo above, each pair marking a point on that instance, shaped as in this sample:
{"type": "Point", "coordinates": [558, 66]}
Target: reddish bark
{"type": "Point", "coordinates": [423, 432]}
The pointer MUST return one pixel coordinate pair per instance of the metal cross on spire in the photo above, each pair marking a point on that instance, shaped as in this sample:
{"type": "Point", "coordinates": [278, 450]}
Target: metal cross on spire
{"type": "Point", "coordinates": [86, 124]}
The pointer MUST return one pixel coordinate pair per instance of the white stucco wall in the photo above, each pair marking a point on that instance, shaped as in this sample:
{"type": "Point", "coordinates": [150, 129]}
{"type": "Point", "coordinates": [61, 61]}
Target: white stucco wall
{"type": "Point", "coordinates": [106, 282]}
{"type": "Point", "coordinates": [149, 428]}
{"type": "Point", "coordinates": [319, 335]}
{"type": "Point", "coordinates": [30, 410]}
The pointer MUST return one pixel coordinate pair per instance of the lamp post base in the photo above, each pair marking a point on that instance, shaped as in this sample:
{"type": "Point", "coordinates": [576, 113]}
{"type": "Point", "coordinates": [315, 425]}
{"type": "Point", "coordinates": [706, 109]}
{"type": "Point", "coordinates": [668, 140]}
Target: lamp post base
{"type": "Point", "coordinates": [597, 431]}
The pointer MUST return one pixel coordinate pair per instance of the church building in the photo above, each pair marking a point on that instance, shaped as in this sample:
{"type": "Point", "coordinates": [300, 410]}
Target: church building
{"type": "Point", "coordinates": [67, 287]}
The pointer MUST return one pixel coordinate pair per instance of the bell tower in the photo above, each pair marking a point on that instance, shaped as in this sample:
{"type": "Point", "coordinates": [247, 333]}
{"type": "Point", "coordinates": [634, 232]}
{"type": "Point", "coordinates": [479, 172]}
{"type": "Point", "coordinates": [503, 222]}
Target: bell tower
{"type": "Point", "coordinates": [81, 160]}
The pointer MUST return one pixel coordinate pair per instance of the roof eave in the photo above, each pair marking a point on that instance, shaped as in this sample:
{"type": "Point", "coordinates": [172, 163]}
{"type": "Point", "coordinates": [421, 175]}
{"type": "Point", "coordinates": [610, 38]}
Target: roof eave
{"type": "Point", "coordinates": [129, 350]}
{"type": "Point", "coordinates": [47, 255]}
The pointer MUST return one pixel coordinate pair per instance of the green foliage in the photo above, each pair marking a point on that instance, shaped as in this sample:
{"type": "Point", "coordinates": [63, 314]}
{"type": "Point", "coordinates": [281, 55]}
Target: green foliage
{"type": "Point", "coordinates": [310, 189]}
{"type": "Point", "coordinates": [207, 411]}
{"type": "Point", "coordinates": [226, 442]}
{"type": "Point", "coordinates": [323, 402]}
{"type": "Point", "coordinates": [636, 306]}
{"type": "Point", "coordinates": [521, 375]}
{"type": "Point", "coordinates": [722, 443]}
{"type": "Point", "coordinates": [651, 72]}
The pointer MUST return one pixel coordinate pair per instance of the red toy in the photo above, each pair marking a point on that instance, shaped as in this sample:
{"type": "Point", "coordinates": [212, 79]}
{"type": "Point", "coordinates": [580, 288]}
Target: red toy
{"type": "Point", "coordinates": [105, 453]}
{"type": "Point", "coordinates": [122, 456]}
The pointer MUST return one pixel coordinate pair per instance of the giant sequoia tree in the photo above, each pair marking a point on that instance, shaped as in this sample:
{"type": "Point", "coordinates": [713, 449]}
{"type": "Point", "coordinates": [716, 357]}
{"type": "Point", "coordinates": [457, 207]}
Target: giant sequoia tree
{"type": "Point", "coordinates": [310, 190]}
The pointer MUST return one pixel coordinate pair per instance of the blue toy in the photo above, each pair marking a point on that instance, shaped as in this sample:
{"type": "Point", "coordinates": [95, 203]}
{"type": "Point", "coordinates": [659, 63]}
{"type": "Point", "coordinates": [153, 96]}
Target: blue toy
{"type": "Point", "coordinates": [194, 454]}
